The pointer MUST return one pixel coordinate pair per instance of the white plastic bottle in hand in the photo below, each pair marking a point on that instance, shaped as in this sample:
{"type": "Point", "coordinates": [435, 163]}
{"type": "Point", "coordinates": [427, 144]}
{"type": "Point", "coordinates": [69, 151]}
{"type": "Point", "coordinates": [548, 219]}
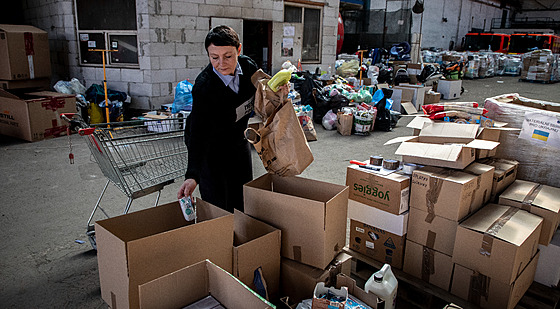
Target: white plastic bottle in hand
{"type": "Point", "coordinates": [384, 284]}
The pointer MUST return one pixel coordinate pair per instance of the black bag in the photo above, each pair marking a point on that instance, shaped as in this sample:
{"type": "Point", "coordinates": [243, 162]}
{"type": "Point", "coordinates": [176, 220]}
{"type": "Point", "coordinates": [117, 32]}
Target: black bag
{"type": "Point", "coordinates": [383, 118]}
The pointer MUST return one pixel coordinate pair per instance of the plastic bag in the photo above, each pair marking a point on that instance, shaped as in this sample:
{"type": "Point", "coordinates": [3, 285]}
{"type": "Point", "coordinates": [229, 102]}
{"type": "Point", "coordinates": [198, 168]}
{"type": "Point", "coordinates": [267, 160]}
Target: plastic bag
{"type": "Point", "coordinates": [383, 118]}
{"type": "Point", "coordinates": [183, 97]}
{"type": "Point", "coordinates": [363, 120]}
{"type": "Point", "coordinates": [329, 120]}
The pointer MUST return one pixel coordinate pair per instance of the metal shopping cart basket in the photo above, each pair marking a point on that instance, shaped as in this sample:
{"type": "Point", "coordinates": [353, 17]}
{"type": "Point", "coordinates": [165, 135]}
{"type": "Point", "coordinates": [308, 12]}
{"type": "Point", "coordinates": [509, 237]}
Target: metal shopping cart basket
{"type": "Point", "coordinates": [139, 157]}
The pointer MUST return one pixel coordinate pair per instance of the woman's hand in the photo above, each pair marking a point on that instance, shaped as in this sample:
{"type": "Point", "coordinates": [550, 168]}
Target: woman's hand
{"type": "Point", "coordinates": [284, 89]}
{"type": "Point", "coordinates": [187, 188]}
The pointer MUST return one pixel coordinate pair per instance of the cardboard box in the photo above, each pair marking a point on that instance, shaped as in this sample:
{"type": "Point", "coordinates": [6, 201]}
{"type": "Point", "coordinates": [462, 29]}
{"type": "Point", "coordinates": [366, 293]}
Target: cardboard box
{"type": "Point", "coordinates": [505, 173]}
{"type": "Point", "coordinates": [401, 95]}
{"type": "Point", "coordinates": [431, 98]}
{"type": "Point", "coordinates": [386, 192]}
{"type": "Point", "coordinates": [541, 200]}
{"type": "Point", "coordinates": [439, 234]}
{"type": "Point", "coordinates": [311, 215]}
{"type": "Point", "coordinates": [369, 299]}
{"type": "Point", "coordinates": [38, 83]}
{"type": "Point", "coordinates": [548, 268]}
{"type": "Point", "coordinates": [141, 246]}
{"type": "Point", "coordinates": [298, 280]}
{"type": "Point", "coordinates": [256, 244]}
{"type": "Point", "coordinates": [427, 264]}
{"type": "Point", "coordinates": [448, 193]}
{"type": "Point", "coordinates": [444, 144]}
{"type": "Point", "coordinates": [377, 234]}
{"type": "Point", "coordinates": [190, 284]}
{"type": "Point", "coordinates": [450, 89]}
{"type": "Point", "coordinates": [322, 303]}
{"type": "Point", "coordinates": [34, 116]}
{"type": "Point", "coordinates": [24, 52]}
{"type": "Point", "coordinates": [498, 241]}
{"type": "Point", "coordinates": [419, 91]}
{"type": "Point", "coordinates": [482, 291]}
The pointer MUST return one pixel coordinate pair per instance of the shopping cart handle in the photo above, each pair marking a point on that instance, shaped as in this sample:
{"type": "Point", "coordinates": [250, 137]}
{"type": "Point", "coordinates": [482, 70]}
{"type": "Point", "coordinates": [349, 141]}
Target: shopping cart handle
{"type": "Point", "coordinates": [67, 116]}
{"type": "Point", "coordinates": [86, 131]}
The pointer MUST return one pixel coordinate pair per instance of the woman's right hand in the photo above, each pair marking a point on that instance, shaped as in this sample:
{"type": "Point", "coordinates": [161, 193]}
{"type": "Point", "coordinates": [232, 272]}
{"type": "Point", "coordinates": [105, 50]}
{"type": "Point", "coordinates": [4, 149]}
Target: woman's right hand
{"type": "Point", "coordinates": [187, 188]}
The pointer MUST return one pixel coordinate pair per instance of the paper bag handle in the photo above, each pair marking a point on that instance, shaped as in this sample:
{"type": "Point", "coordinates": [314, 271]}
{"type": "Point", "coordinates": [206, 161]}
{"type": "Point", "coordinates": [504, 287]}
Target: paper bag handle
{"type": "Point", "coordinates": [252, 135]}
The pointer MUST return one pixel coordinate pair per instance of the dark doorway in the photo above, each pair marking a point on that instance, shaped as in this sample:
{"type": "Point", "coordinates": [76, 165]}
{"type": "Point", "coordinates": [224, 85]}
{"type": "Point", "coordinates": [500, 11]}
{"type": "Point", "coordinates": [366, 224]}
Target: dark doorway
{"type": "Point", "coordinates": [257, 42]}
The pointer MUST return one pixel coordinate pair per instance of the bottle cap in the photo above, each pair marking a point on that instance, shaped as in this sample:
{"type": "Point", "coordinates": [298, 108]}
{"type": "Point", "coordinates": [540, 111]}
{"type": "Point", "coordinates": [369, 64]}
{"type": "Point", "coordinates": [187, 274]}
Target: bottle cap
{"type": "Point", "coordinates": [377, 277]}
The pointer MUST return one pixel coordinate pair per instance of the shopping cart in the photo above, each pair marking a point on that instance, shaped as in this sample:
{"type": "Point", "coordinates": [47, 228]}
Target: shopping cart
{"type": "Point", "coordinates": [139, 157]}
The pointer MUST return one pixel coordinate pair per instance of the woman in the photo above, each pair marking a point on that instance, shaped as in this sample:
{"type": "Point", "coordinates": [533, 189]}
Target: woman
{"type": "Point", "coordinates": [219, 158]}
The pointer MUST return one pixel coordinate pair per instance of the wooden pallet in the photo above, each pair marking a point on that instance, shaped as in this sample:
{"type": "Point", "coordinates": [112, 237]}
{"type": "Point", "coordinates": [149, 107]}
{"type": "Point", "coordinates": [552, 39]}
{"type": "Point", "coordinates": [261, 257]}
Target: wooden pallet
{"type": "Point", "coordinates": [415, 293]}
{"type": "Point", "coordinates": [537, 81]}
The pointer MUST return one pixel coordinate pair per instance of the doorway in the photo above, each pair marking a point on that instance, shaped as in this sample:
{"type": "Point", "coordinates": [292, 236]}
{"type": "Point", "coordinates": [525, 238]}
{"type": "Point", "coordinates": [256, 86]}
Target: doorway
{"type": "Point", "coordinates": [257, 43]}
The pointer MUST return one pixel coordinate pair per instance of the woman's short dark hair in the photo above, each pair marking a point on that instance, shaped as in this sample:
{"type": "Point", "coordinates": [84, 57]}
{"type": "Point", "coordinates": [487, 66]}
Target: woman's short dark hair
{"type": "Point", "coordinates": [222, 36]}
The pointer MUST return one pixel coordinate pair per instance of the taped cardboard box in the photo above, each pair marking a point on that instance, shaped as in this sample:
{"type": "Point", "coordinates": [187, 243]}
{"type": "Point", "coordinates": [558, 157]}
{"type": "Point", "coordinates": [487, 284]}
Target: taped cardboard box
{"type": "Point", "coordinates": [485, 292]}
{"type": "Point", "coordinates": [540, 200]}
{"type": "Point", "coordinates": [548, 268]}
{"type": "Point", "coordinates": [141, 246]}
{"type": "Point", "coordinates": [450, 193]}
{"type": "Point", "coordinates": [505, 173]}
{"type": "Point", "coordinates": [24, 52]}
{"type": "Point", "coordinates": [35, 116]}
{"type": "Point", "coordinates": [377, 234]}
{"type": "Point", "coordinates": [427, 264]}
{"type": "Point", "coordinates": [498, 241]}
{"type": "Point", "coordinates": [298, 280]}
{"type": "Point", "coordinates": [311, 215]}
{"type": "Point", "coordinates": [438, 234]}
{"type": "Point", "coordinates": [192, 283]}
{"type": "Point", "coordinates": [256, 245]}
{"type": "Point", "coordinates": [389, 193]}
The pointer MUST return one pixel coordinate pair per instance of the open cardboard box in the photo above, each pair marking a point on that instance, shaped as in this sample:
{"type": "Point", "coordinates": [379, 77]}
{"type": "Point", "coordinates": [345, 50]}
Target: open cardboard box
{"type": "Point", "coordinates": [541, 200]}
{"type": "Point", "coordinates": [311, 215]}
{"type": "Point", "coordinates": [498, 241]}
{"type": "Point", "coordinates": [141, 246]}
{"type": "Point", "coordinates": [192, 283]}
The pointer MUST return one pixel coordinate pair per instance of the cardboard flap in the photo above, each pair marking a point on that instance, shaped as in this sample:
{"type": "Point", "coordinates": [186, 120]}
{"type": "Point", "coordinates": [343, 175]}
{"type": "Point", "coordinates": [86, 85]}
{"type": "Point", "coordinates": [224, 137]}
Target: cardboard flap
{"type": "Point", "coordinates": [507, 223]}
{"type": "Point", "coordinates": [482, 144]}
{"type": "Point", "coordinates": [548, 198]}
{"type": "Point", "coordinates": [5, 94]}
{"type": "Point", "coordinates": [431, 151]}
{"type": "Point", "coordinates": [449, 130]}
{"type": "Point", "coordinates": [20, 28]}
{"type": "Point", "coordinates": [400, 140]}
{"type": "Point", "coordinates": [247, 228]}
{"type": "Point", "coordinates": [418, 122]}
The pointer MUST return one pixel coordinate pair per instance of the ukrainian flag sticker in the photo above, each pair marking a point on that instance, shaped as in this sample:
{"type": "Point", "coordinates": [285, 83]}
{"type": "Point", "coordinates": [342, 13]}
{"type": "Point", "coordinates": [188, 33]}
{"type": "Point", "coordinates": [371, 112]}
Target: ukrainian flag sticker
{"type": "Point", "coordinates": [540, 135]}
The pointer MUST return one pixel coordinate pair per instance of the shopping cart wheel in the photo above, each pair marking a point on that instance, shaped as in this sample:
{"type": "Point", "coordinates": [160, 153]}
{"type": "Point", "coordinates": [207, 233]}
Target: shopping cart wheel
{"type": "Point", "coordinates": [91, 236]}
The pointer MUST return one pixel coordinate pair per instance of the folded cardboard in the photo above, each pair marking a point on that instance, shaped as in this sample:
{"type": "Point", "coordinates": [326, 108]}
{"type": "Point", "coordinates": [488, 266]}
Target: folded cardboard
{"type": "Point", "coordinates": [141, 246]}
{"type": "Point", "coordinates": [192, 283]}
{"type": "Point", "coordinates": [354, 290]}
{"type": "Point", "coordinates": [34, 116]}
{"type": "Point", "coordinates": [548, 268]}
{"type": "Point", "coordinates": [322, 302]}
{"type": "Point", "coordinates": [298, 280]}
{"type": "Point", "coordinates": [437, 234]}
{"type": "Point", "coordinates": [386, 192]}
{"type": "Point", "coordinates": [450, 193]}
{"type": "Point", "coordinates": [483, 291]}
{"type": "Point", "coordinates": [450, 89]}
{"type": "Point", "coordinates": [428, 264]}
{"type": "Point", "coordinates": [24, 52]}
{"type": "Point", "coordinates": [377, 234]}
{"type": "Point", "coordinates": [256, 245]}
{"type": "Point", "coordinates": [541, 200]}
{"type": "Point", "coordinates": [505, 174]}
{"type": "Point", "coordinates": [311, 215]}
{"type": "Point", "coordinates": [498, 241]}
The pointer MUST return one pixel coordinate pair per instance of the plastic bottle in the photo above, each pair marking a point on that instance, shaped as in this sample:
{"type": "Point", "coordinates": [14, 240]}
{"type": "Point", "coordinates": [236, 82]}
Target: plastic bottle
{"type": "Point", "coordinates": [384, 284]}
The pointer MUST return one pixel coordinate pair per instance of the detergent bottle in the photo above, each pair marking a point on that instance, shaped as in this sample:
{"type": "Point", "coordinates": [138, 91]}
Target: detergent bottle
{"type": "Point", "coordinates": [384, 284]}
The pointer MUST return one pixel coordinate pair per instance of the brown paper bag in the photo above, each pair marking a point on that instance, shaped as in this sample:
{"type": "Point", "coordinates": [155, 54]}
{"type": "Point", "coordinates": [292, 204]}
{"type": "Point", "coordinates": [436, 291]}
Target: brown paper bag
{"type": "Point", "coordinates": [344, 123]}
{"type": "Point", "coordinates": [266, 100]}
{"type": "Point", "coordinates": [281, 143]}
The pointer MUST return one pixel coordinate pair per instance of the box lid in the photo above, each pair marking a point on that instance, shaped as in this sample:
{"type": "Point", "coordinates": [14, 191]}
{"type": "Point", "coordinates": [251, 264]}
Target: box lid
{"type": "Point", "coordinates": [509, 224]}
{"type": "Point", "coordinates": [448, 131]}
{"type": "Point", "coordinates": [431, 151]}
{"type": "Point", "coordinates": [535, 194]}
{"type": "Point", "coordinates": [418, 122]}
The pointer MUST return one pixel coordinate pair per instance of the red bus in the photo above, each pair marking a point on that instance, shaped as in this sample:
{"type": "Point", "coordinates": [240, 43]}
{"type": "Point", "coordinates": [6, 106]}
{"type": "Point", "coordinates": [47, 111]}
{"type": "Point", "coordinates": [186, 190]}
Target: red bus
{"type": "Point", "coordinates": [481, 41]}
{"type": "Point", "coordinates": [524, 42]}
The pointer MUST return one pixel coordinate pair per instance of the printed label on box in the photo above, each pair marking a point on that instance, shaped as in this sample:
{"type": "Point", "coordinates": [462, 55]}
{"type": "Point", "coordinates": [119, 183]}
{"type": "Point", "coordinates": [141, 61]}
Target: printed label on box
{"type": "Point", "coordinates": [541, 128]}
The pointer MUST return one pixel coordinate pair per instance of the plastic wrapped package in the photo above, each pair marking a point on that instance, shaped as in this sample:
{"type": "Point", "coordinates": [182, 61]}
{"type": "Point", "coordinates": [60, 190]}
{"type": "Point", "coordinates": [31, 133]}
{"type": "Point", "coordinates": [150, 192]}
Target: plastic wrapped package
{"type": "Point", "coordinates": [348, 68]}
{"type": "Point", "coordinates": [512, 65]}
{"type": "Point", "coordinates": [538, 161]}
{"type": "Point", "coordinates": [471, 69]}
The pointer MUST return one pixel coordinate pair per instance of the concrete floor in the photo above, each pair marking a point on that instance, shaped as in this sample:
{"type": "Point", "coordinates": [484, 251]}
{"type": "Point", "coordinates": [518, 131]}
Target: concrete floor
{"type": "Point", "coordinates": [46, 202]}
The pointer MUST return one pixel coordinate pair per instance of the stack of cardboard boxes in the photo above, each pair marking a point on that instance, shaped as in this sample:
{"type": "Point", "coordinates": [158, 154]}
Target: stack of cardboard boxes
{"type": "Point", "coordinates": [540, 65]}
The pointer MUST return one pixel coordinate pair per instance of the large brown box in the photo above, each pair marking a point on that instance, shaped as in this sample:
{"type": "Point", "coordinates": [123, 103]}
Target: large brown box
{"type": "Point", "coordinates": [141, 246]}
{"type": "Point", "coordinates": [36, 116]}
{"type": "Point", "coordinates": [427, 264]}
{"type": "Point", "coordinates": [24, 53]}
{"type": "Point", "coordinates": [311, 215]}
{"type": "Point", "coordinates": [541, 200]}
{"type": "Point", "coordinates": [482, 291]}
{"type": "Point", "coordinates": [505, 174]}
{"type": "Point", "coordinates": [450, 193]}
{"type": "Point", "coordinates": [389, 193]}
{"type": "Point", "coordinates": [498, 241]}
{"type": "Point", "coordinates": [439, 234]}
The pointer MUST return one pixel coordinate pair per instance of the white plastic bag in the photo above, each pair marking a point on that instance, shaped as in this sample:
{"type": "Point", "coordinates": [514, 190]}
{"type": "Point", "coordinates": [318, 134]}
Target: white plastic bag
{"type": "Point", "coordinates": [329, 120]}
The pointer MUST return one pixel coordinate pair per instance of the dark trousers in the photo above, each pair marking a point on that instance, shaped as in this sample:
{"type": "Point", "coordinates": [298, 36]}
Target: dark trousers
{"type": "Point", "coordinates": [223, 176]}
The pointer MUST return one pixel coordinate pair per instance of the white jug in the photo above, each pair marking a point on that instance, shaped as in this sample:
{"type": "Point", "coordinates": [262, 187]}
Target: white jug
{"type": "Point", "coordinates": [384, 284]}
